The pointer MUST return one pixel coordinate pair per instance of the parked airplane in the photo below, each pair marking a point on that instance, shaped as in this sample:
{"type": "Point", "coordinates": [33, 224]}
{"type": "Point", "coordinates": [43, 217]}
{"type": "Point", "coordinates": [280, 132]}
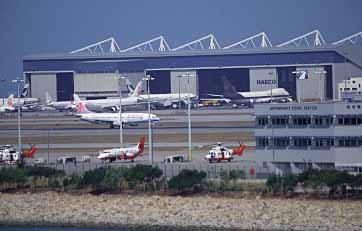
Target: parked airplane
{"type": "Point", "coordinates": [112, 119]}
{"type": "Point", "coordinates": [8, 106]}
{"type": "Point", "coordinates": [23, 101]}
{"type": "Point", "coordinates": [58, 105]}
{"type": "Point", "coordinates": [123, 153]}
{"type": "Point", "coordinates": [278, 94]}
{"type": "Point", "coordinates": [220, 152]}
{"type": "Point", "coordinates": [113, 103]}
{"type": "Point", "coordinates": [163, 100]}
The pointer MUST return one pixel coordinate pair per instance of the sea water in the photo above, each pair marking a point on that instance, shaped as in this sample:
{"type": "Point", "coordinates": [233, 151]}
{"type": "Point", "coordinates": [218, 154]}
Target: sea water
{"type": "Point", "coordinates": [61, 229]}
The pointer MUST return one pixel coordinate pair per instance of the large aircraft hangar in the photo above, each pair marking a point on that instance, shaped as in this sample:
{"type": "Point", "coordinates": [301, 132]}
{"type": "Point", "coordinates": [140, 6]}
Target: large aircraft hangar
{"type": "Point", "coordinates": [251, 64]}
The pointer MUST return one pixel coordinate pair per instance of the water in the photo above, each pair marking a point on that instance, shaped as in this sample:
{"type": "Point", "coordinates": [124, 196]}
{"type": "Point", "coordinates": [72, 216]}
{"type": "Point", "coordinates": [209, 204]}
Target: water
{"type": "Point", "coordinates": [59, 229]}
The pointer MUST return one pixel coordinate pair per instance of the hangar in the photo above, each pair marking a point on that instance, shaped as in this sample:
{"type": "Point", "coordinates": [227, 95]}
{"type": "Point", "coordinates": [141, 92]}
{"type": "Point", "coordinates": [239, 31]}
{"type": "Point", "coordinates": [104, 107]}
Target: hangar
{"type": "Point", "coordinates": [251, 64]}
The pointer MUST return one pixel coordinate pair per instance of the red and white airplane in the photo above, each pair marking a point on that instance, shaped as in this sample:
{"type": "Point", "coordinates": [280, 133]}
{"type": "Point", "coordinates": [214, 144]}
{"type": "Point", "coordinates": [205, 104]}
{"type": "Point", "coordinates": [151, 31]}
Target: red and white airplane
{"type": "Point", "coordinates": [220, 152]}
{"type": "Point", "coordinates": [123, 153]}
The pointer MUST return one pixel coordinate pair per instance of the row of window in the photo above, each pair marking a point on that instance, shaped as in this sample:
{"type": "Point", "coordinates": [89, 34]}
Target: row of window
{"type": "Point", "coordinates": [304, 121]}
{"type": "Point", "coordinates": [304, 142]}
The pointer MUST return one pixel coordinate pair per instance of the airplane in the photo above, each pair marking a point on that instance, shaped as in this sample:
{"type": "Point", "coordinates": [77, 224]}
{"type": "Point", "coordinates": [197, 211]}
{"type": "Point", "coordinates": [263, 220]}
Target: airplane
{"type": "Point", "coordinates": [163, 100]}
{"type": "Point", "coordinates": [8, 106]}
{"type": "Point", "coordinates": [279, 95]}
{"type": "Point", "coordinates": [58, 105]}
{"type": "Point", "coordinates": [220, 152]}
{"type": "Point", "coordinates": [24, 102]}
{"type": "Point", "coordinates": [113, 103]}
{"type": "Point", "coordinates": [112, 119]}
{"type": "Point", "coordinates": [123, 153]}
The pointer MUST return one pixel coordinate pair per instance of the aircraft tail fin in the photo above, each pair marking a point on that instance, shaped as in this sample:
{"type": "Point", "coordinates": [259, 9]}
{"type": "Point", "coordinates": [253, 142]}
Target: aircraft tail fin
{"type": "Point", "coordinates": [138, 89]}
{"type": "Point", "coordinates": [10, 102]}
{"type": "Point", "coordinates": [24, 93]}
{"type": "Point", "coordinates": [48, 98]}
{"type": "Point", "coordinates": [130, 87]}
{"type": "Point", "coordinates": [141, 145]}
{"type": "Point", "coordinates": [239, 151]}
{"type": "Point", "coordinates": [81, 107]}
{"type": "Point", "coordinates": [229, 89]}
{"type": "Point", "coordinates": [30, 153]}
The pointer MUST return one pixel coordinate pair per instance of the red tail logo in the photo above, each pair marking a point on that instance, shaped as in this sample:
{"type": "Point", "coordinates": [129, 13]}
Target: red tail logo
{"type": "Point", "coordinates": [10, 102]}
{"type": "Point", "coordinates": [239, 151]}
{"type": "Point", "coordinates": [141, 145]}
{"type": "Point", "coordinates": [30, 153]}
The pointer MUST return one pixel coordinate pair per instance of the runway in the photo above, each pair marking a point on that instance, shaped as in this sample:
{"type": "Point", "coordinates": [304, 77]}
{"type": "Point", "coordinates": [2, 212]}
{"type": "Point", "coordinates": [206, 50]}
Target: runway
{"type": "Point", "coordinates": [58, 134]}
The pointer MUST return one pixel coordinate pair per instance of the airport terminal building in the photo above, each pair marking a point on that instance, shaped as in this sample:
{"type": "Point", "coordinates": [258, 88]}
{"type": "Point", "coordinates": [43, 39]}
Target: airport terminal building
{"type": "Point", "coordinates": [90, 71]}
{"type": "Point", "coordinates": [294, 136]}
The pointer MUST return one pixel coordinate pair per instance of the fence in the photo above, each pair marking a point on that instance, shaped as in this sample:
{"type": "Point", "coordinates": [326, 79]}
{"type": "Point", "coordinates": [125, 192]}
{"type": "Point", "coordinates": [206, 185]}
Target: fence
{"type": "Point", "coordinates": [170, 170]}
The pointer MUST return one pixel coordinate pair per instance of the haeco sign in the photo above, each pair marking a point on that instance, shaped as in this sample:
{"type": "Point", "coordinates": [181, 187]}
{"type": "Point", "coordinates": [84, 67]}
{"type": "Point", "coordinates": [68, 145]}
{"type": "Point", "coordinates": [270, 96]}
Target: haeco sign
{"type": "Point", "coordinates": [265, 81]}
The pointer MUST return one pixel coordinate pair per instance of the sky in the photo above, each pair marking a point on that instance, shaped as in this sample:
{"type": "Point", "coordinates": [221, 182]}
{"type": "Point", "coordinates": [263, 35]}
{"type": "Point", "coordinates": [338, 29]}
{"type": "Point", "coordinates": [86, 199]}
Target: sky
{"type": "Point", "coordinates": [46, 26]}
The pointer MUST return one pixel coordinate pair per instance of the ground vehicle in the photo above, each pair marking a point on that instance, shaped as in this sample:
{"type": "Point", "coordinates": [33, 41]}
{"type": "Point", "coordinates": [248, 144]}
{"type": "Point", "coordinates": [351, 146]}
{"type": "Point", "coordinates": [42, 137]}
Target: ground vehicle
{"type": "Point", "coordinates": [175, 158]}
{"type": "Point", "coordinates": [67, 159]}
{"type": "Point", "coordinates": [86, 158]}
{"type": "Point", "coordinates": [219, 152]}
{"type": "Point", "coordinates": [213, 100]}
{"type": "Point", "coordinates": [40, 161]}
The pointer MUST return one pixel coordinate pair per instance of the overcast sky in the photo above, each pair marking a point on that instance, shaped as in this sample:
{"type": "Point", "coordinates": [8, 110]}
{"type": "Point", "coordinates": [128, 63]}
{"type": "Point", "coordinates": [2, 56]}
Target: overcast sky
{"type": "Point", "coordinates": [45, 26]}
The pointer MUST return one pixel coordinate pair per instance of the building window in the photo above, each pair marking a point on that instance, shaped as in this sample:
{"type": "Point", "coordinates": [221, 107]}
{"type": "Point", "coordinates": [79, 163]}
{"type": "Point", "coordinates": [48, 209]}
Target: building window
{"type": "Point", "coordinates": [348, 107]}
{"type": "Point", "coordinates": [262, 121]}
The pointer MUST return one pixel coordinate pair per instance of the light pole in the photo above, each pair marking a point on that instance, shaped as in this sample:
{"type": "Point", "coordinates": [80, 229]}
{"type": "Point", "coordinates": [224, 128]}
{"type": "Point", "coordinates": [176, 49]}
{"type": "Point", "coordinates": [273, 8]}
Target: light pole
{"type": "Point", "coordinates": [188, 75]}
{"type": "Point", "coordinates": [150, 146]}
{"type": "Point", "coordinates": [345, 76]}
{"type": "Point", "coordinates": [48, 145]}
{"type": "Point", "coordinates": [18, 81]}
{"type": "Point", "coordinates": [321, 89]}
{"type": "Point", "coordinates": [179, 92]}
{"type": "Point", "coordinates": [119, 78]}
{"type": "Point", "coordinates": [271, 88]}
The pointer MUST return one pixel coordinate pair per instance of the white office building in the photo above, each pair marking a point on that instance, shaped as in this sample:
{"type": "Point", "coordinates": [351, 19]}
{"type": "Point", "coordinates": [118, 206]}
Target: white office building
{"type": "Point", "coordinates": [291, 137]}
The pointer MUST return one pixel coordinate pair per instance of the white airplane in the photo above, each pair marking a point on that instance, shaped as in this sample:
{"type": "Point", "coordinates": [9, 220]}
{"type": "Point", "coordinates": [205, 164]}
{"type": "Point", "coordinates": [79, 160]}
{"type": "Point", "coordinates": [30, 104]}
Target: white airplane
{"type": "Point", "coordinates": [123, 153]}
{"type": "Point", "coordinates": [23, 101]}
{"type": "Point", "coordinates": [279, 95]}
{"type": "Point", "coordinates": [112, 119]}
{"type": "Point", "coordinates": [164, 100]}
{"type": "Point", "coordinates": [58, 105]}
{"type": "Point", "coordinates": [8, 106]}
{"type": "Point", "coordinates": [113, 103]}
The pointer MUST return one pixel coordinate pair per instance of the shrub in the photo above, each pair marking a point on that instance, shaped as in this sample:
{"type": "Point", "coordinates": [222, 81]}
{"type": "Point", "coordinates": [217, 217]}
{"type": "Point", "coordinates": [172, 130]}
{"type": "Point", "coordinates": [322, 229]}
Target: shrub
{"type": "Point", "coordinates": [38, 171]}
{"type": "Point", "coordinates": [187, 180]}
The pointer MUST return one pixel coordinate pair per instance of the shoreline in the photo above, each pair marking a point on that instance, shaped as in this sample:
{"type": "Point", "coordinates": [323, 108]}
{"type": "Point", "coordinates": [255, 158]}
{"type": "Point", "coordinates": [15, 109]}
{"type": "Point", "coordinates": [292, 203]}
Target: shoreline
{"type": "Point", "coordinates": [139, 212]}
